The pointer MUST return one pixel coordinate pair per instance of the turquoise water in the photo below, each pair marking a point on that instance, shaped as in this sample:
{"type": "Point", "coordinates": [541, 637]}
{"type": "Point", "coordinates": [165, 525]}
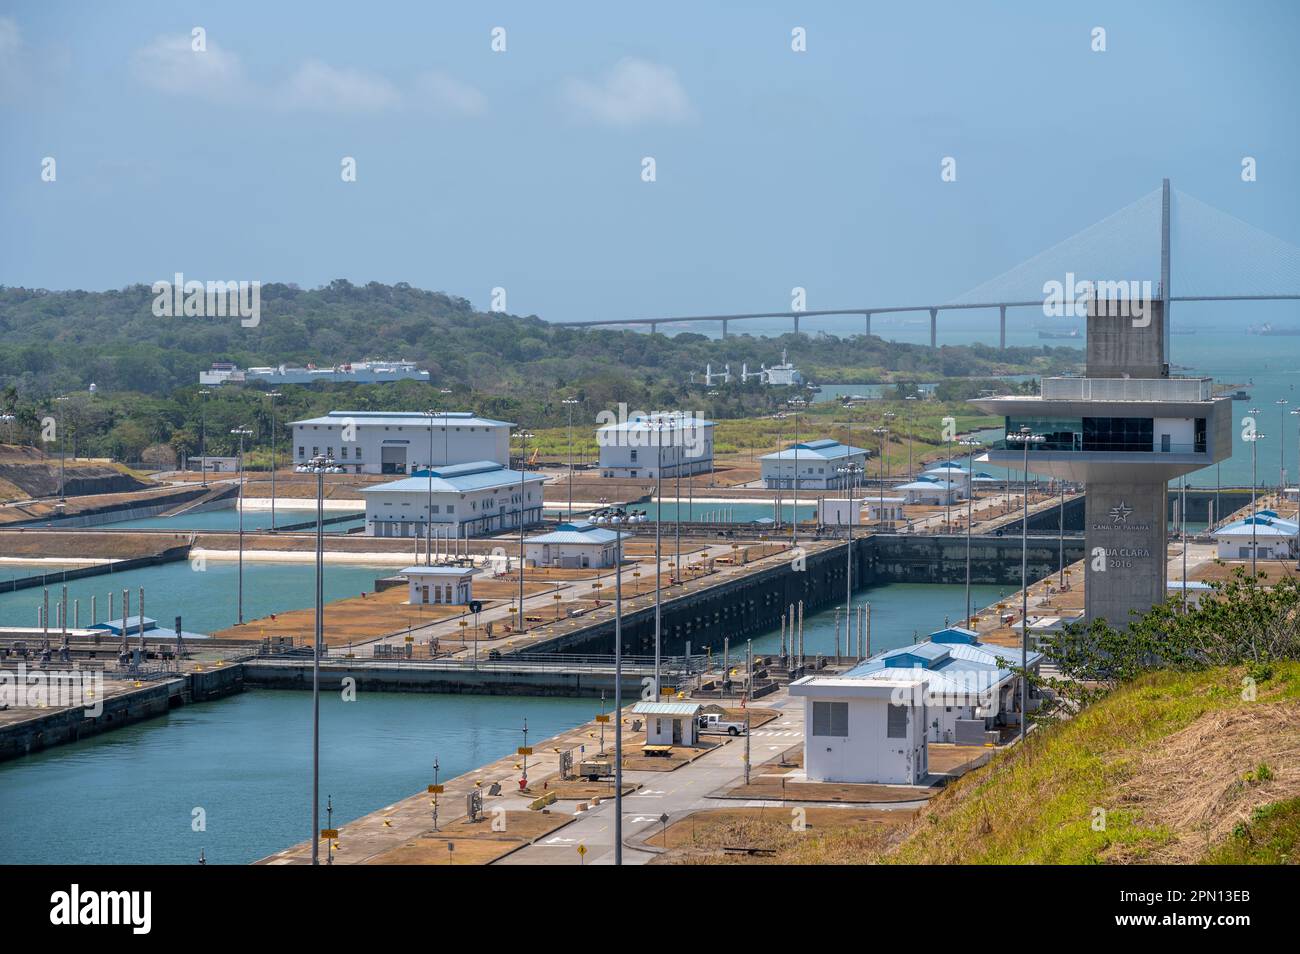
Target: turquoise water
{"type": "Point", "coordinates": [129, 796]}
{"type": "Point", "coordinates": [900, 614]}
{"type": "Point", "coordinates": [206, 599]}
{"type": "Point", "coordinates": [229, 520]}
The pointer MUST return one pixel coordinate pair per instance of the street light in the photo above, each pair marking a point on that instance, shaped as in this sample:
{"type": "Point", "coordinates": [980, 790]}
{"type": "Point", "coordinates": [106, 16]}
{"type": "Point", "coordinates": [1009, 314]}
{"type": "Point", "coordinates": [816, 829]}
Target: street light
{"type": "Point", "coordinates": [428, 513]}
{"type": "Point", "coordinates": [203, 436]}
{"type": "Point", "coordinates": [659, 514]}
{"type": "Point", "coordinates": [523, 464]}
{"type": "Point", "coordinates": [63, 443]}
{"type": "Point", "coordinates": [1025, 437]}
{"type": "Point", "coordinates": [569, 403]}
{"type": "Point", "coordinates": [1282, 403]}
{"type": "Point", "coordinates": [273, 395]}
{"type": "Point", "coordinates": [883, 434]}
{"type": "Point", "coordinates": [970, 446]}
{"type": "Point", "coordinates": [241, 432]}
{"type": "Point", "coordinates": [848, 473]}
{"type": "Point", "coordinates": [320, 465]}
{"type": "Point", "coordinates": [795, 403]}
{"type": "Point", "coordinates": [1254, 440]}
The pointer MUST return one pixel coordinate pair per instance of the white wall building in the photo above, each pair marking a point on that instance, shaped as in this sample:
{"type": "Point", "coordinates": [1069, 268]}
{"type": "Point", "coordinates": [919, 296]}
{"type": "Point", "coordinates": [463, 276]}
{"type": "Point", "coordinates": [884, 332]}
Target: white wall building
{"type": "Point", "coordinates": [447, 585]}
{"type": "Point", "coordinates": [1271, 537]}
{"type": "Point", "coordinates": [812, 464]}
{"type": "Point", "coordinates": [636, 447]}
{"type": "Point", "coordinates": [669, 723]}
{"type": "Point", "coordinates": [573, 545]}
{"type": "Point", "coordinates": [872, 723]}
{"type": "Point", "coordinates": [928, 491]}
{"type": "Point", "coordinates": [840, 511]}
{"type": "Point", "coordinates": [397, 442]}
{"type": "Point", "coordinates": [481, 497]}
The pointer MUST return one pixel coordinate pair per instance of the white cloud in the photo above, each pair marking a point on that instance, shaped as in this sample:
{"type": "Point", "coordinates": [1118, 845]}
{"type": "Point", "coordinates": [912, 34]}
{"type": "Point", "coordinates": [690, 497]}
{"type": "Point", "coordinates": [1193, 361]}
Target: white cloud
{"type": "Point", "coordinates": [447, 96]}
{"type": "Point", "coordinates": [318, 85]}
{"type": "Point", "coordinates": [169, 64]}
{"type": "Point", "coordinates": [635, 91]}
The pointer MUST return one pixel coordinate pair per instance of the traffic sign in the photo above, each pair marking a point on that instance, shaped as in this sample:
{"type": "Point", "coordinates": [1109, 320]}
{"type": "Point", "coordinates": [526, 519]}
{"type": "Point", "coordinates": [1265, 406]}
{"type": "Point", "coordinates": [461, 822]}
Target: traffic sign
{"type": "Point", "coordinates": [436, 789]}
{"type": "Point", "coordinates": [525, 750]}
{"type": "Point", "coordinates": [329, 833]}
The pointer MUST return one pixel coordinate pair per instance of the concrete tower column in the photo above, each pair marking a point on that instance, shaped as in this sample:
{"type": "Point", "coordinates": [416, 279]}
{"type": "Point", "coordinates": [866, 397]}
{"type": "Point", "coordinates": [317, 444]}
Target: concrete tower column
{"type": "Point", "coordinates": [934, 327]}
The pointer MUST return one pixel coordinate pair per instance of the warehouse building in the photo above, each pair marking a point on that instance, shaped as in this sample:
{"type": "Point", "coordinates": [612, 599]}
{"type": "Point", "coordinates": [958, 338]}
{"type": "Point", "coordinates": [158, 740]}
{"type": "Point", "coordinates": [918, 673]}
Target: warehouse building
{"type": "Point", "coordinates": [463, 500]}
{"type": "Point", "coordinates": [668, 444]}
{"type": "Point", "coordinates": [397, 442]}
{"type": "Point", "coordinates": [814, 465]}
{"type": "Point", "coordinates": [576, 545]}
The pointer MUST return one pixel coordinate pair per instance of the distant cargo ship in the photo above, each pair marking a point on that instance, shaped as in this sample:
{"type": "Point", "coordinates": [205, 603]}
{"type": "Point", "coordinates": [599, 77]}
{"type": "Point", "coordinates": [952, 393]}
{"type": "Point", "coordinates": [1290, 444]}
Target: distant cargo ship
{"type": "Point", "coordinates": [358, 372]}
{"type": "Point", "coordinates": [1269, 331]}
{"type": "Point", "coordinates": [1073, 333]}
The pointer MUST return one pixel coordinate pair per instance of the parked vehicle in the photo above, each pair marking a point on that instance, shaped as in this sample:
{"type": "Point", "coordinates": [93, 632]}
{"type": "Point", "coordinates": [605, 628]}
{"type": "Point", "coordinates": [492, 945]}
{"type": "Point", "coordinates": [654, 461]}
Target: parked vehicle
{"type": "Point", "coordinates": [715, 723]}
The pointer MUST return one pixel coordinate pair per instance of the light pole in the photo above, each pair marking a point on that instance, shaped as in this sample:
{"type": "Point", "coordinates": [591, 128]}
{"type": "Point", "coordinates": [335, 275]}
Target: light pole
{"type": "Point", "coordinates": [1281, 489]}
{"type": "Point", "coordinates": [970, 446]}
{"type": "Point", "coordinates": [912, 398]}
{"type": "Point", "coordinates": [320, 465]}
{"type": "Point", "coordinates": [849, 473]}
{"type": "Point", "coordinates": [795, 403]}
{"type": "Point", "coordinates": [1254, 460]}
{"type": "Point", "coordinates": [883, 434]}
{"type": "Point", "coordinates": [569, 403]}
{"type": "Point", "coordinates": [659, 511]}
{"type": "Point", "coordinates": [523, 464]}
{"type": "Point", "coordinates": [203, 436]}
{"type": "Point", "coordinates": [241, 432]}
{"type": "Point", "coordinates": [1024, 437]}
{"type": "Point", "coordinates": [61, 400]}
{"type": "Point", "coordinates": [273, 395]}
{"type": "Point", "coordinates": [428, 514]}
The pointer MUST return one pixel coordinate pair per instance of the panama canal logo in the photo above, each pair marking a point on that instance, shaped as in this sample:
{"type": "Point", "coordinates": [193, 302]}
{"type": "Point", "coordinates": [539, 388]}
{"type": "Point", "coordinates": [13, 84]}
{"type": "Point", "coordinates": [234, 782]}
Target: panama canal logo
{"type": "Point", "coordinates": [1120, 512]}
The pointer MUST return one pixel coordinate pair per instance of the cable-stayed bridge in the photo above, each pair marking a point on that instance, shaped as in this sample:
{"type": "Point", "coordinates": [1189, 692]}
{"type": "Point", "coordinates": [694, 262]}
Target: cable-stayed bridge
{"type": "Point", "coordinates": [1214, 251]}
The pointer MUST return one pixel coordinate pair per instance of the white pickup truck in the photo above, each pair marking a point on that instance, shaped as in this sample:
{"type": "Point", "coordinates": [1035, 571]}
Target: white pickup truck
{"type": "Point", "coordinates": [712, 722]}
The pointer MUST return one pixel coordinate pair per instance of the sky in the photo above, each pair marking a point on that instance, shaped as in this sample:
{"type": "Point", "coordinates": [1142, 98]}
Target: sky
{"type": "Point", "coordinates": [524, 168]}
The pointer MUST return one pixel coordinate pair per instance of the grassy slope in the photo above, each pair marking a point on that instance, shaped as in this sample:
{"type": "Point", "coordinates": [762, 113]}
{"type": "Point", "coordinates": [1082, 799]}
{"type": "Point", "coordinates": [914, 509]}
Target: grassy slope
{"type": "Point", "coordinates": [1173, 759]}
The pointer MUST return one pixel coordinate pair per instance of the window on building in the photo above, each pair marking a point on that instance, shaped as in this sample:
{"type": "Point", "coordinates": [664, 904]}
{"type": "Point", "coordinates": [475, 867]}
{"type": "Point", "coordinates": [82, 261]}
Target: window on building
{"type": "Point", "coordinates": [300, 451]}
{"type": "Point", "coordinates": [831, 719]}
{"type": "Point", "coordinates": [897, 723]}
{"type": "Point", "coordinates": [634, 457]}
{"type": "Point", "coordinates": [315, 451]}
{"type": "Point", "coordinates": [451, 508]}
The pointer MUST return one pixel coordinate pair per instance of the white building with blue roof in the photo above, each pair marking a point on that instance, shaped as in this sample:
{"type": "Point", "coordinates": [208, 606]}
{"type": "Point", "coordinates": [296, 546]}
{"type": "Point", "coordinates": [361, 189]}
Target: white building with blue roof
{"type": "Point", "coordinates": [1267, 534]}
{"type": "Point", "coordinates": [815, 465]}
{"type": "Point", "coordinates": [398, 442]}
{"type": "Point", "coordinates": [873, 722]}
{"type": "Point", "coordinates": [575, 545]}
{"type": "Point", "coordinates": [928, 490]}
{"type": "Point", "coordinates": [463, 500]}
{"type": "Point", "coordinates": [664, 444]}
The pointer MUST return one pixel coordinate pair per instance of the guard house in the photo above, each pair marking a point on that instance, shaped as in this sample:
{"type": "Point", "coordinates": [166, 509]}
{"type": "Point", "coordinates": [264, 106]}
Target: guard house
{"type": "Point", "coordinates": [576, 545]}
{"type": "Point", "coordinates": [1124, 430]}
{"type": "Point", "coordinates": [447, 585]}
{"type": "Point", "coordinates": [886, 509]}
{"type": "Point", "coordinates": [463, 500]}
{"type": "Point", "coordinates": [814, 465]}
{"type": "Point", "coordinates": [1271, 538]}
{"type": "Point", "coordinates": [928, 490]}
{"type": "Point", "coordinates": [669, 723]}
{"type": "Point", "coordinates": [840, 511]}
{"type": "Point", "coordinates": [398, 442]}
{"type": "Point", "coordinates": [954, 474]}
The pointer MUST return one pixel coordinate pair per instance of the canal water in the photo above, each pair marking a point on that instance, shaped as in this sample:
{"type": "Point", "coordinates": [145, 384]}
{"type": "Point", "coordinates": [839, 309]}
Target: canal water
{"type": "Point", "coordinates": [205, 594]}
{"type": "Point", "coordinates": [733, 512]}
{"type": "Point", "coordinates": [129, 796]}
{"type": "Point", "coordinates": [229, 520]}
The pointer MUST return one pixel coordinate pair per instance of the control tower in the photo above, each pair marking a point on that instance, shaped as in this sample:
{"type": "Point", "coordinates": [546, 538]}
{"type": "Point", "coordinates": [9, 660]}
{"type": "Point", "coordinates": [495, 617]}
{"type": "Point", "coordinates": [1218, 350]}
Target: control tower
{"type": "Point", "coordinates": [1124, 429]}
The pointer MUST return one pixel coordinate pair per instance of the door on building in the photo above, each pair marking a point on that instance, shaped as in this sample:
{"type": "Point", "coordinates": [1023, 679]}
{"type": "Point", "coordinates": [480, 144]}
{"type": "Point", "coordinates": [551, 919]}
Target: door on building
{"type": "Point", "coordinates": [392, 460]}
{"type": "Point", "coordinates": [677, 732]}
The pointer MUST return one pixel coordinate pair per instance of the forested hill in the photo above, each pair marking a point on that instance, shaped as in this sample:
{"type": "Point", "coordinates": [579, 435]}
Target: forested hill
{"type": "Point", "coordinates": [52, 341]}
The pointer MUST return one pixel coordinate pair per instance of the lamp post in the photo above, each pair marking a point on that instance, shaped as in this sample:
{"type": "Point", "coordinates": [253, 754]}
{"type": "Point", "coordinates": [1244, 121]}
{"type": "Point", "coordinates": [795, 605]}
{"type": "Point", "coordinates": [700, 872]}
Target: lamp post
{"type": "Point", "coordinates": [428, 513]}
{"type": "Point", "coordinates": [911, 398]}
{"type": "Point", "coordinates": [203, 436]}
{"type": "Point", "coordinates": [273, 395]}
{"type": "Point", "coordinates": [1024, 437]}
{"type": "Point", "coordinates": [970, 446]}
{"type": "Point", "coordinates": [569, 403]}
{"type": "Point", "coordinates": [659, 510]}
{"type": "Point", "coordinates": [320, 465]}
{"type": "Point", "coordinates": [61, 400]}
{"type": "Point", "coordinates": [1254, 460]}
{"type": "Point", "coordinates": [241, 432]}
{"type": "Point", "coordinates": [795, 403]}
{"type": "Point", "coordinates": [1281, 488]}
{"type": "Point", "coordinates": [523, 464]}
{"type": "Point", "coordinates": [883, 434]}
{"type": "Point", "coordinates": [848, 473]}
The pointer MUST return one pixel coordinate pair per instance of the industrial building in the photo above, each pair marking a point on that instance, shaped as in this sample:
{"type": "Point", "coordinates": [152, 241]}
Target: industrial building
{"type": "Point", "coordinates": [873, 722]}
{"type": "Point", "coordinates": [463, 500]}
{"type": "Point", "coordinates": [1125, 430]}
{"type": "Point", "coordinates": [447, 585]}
{"type": "Point", "coordinates": [576, 545]}
{"type": "Point", "coordinates": [668, 444]}
{"type": "Point", "coordinates": [355, 372]}
{"type": "Point", "coordinates": [397, 442]}
{"type": "Point", "coordinates": [928, 490]}
{"type": "Point", "coordinates": [812, 465]}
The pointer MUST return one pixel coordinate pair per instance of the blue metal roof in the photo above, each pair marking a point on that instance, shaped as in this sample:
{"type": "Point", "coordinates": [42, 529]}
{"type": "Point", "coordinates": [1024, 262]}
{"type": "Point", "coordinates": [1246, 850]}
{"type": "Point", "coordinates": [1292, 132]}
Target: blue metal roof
{"type": "Point", "coordinates": [580, 531]}
{"type": "Point", "coordinates": [405, 419]}
{"type": "Point", "coordinates": [478, 475]}
{"type": "Point", "coordinates": [825, 449]}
